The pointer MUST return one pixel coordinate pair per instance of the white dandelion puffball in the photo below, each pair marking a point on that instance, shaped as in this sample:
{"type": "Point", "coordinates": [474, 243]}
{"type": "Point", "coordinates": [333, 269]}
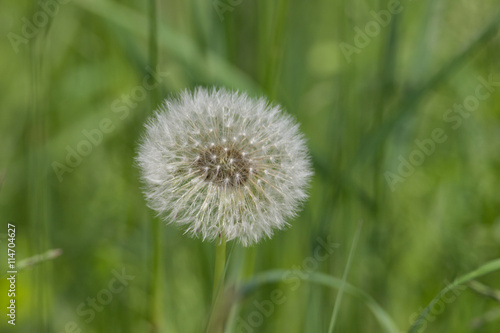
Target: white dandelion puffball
{"type": "Point", "coordinates": [217, 163]}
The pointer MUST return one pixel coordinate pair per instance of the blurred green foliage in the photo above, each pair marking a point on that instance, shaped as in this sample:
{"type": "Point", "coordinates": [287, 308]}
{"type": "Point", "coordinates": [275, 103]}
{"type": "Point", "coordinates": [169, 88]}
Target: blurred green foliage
{"type": "Point", "coordinates": [366, 79]}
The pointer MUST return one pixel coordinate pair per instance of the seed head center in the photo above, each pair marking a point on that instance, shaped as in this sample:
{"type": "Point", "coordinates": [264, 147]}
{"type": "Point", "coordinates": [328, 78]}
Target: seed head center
{"type": "Point", "coordinates": [223, 166]}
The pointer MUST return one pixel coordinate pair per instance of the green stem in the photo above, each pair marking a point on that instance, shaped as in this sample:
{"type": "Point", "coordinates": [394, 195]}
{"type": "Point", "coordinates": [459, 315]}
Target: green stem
{"type": "Point", "coordinates": [216, 323]}
{"type": "Point", "coordinates": [245, 274]}
{"type": "Point", "coordinates": [220, 263]}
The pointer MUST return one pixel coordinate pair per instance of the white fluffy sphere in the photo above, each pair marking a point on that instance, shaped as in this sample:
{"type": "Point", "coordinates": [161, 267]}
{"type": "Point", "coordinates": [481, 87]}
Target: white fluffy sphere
{"type": "Point", "coordinates": [217, 162]}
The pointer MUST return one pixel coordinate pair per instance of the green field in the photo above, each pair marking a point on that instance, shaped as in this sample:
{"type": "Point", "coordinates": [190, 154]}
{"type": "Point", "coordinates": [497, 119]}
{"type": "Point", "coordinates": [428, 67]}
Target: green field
{"type": "Point", "coordinates": [400, 105]}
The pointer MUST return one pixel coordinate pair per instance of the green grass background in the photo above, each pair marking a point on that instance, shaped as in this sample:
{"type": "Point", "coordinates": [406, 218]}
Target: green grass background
{"type": "Point", "coordinates": [359, 117]}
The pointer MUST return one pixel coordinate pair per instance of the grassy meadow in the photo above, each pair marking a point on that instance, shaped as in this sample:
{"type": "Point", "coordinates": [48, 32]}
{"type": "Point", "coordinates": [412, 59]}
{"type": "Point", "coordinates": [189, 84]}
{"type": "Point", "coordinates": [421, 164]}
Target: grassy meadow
{"type": "Point", "coordinates": [400, 105]}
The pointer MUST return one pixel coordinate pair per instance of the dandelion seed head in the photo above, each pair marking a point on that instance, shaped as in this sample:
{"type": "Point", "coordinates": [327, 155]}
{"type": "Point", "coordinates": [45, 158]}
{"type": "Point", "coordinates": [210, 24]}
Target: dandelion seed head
{"type": "Point", "coordinates": [215, 161]}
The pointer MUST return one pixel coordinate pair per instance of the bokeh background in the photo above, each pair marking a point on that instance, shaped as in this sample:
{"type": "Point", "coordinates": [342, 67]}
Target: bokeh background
{"type": "Point", "coordinates": [370, 82]}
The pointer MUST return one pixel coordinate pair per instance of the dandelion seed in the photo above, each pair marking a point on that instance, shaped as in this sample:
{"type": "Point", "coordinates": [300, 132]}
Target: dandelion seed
{"type": "Point", "coordinates": [235, 187]}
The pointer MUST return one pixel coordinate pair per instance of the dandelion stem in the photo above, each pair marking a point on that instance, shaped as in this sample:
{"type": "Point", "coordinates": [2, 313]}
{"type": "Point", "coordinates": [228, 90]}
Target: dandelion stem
{"type": "Point", "coordinates": [220, 263]}
{"type": "Point", "coordinates": [215, 325]}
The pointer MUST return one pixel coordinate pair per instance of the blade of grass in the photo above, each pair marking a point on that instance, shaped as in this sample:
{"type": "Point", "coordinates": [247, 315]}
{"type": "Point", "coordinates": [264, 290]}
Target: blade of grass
{"type": "Point", "coordinates": [487, 268]}
{"type": "Point", "coordinates": [183, 48]}
{"type": "Point", "coordinates": [276, 276]}
{"type": "Point", "coordinates": [153, 47]}
{"type": "Point", "coordinates": [39, 195]}
{"type": "Point", "coordinates": [39, 258]}
{"type": "Point", "coordinates": [155, 293]}
{"type": "Point", "coordinates": [408, 104]}
{"type": "Point", "coordinates": [484, 290]}
{"type": "Point", "coordinates": [338, 300]}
